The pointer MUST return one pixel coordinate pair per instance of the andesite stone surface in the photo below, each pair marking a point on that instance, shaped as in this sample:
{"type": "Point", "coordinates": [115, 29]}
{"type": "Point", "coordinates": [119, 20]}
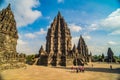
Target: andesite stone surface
{"type": "Point", "coordinates": [8, 33]}
{"type": "Point", "coordinates": [59, 46]}
{"type": "Point", "coordinates": [8, 41]}
{"type": "Point", "coordinates": [110, 56]}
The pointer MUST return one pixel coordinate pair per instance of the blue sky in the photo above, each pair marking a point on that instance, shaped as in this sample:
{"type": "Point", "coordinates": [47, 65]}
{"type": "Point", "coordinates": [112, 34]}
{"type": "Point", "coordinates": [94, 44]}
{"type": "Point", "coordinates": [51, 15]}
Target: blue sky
{"type": "Point", "coordinates": [96, 20]}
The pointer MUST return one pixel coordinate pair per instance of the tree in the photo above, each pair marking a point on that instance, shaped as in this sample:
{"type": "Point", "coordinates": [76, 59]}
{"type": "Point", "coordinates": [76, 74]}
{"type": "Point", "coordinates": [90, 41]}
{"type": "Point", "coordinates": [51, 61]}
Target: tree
{"type": "Point", "coordinates": [95, 58]}
{"type": "Point", "coordinates": [29, 59]}
{"type": "Point", "coordinates": [102, 57]}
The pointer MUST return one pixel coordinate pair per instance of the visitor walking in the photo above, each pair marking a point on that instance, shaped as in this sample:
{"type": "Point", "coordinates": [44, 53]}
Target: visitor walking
{"type": "Point", "coordinates": [82, 69]}
{"type": "Point", "coordinates": [76, 70]}
{"type": "Point", "coordinates": [111, 67]}
{"type": "Point", "coordinates": [92, 65]}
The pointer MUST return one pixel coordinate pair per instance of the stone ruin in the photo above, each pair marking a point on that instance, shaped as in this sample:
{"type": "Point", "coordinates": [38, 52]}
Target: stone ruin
{"type": "Point", "coordinates": [8, 39]}
{"type": "Point", "coordinates": [81, 54]}
{"type": "Point", "coordinates": [110, 56]}
{"type": "Point", "coordinates": [42, 57]}
{"type": "Point", "coordinates": [59, 47]}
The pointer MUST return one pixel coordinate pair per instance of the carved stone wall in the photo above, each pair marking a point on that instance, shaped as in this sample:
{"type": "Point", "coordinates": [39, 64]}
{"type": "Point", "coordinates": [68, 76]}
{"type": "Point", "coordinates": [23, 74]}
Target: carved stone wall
{"type": "Point", "coordinates": [58, 42]}
{"type": "Point", "coordinates": [83, 49]}
{"type": "Point", "coordinates": [8, 33]}
{"type": "Point", "coordinates": [110, 56]}
{"type": "Point", "coordinates": [58, 45]}
{"type": "Point", "coordinates": [42, 57]}
{"type": "Point", "coordinates": [9, 58]}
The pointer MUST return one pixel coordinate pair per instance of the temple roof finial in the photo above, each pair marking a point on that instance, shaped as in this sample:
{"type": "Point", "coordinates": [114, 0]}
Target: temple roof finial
{"type": "Point", "coordinates": [8, 7]}
{"type": "Point", "coordinates": [80, 36]}
{"type": "Point", "coordinates": [59, 14]}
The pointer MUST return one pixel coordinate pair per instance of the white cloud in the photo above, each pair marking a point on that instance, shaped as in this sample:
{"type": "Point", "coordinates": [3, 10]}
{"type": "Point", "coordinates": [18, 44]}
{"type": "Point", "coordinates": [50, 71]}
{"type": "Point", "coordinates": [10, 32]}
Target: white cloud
{"type": "Point", "coordinates": [87, 37]}
{"type": "Point", "coordinates": [29, 46]}
{"type": "Point", "coordinates": [21, 42]}
{"type": "Point", "coordinates": [30, 35]}
{"type": "Point", "coordinates": [117, 32]}
{"type": "Point", "coordinates": [111, 43]}
{"type": "Point", "coordinates": [75, 28]}
{"type": "Point", "coordinates": [21, 45]}
{"type": "Point", "coordinates": [24, 48]}
{"type": "Point", "coordinates": [35, 34]}
{"type": "Point", "coordinates": [19, 35]}
{"type": "Point", "coordinates": [111, 24]}
{"type": "Point", "coordinates": [75, 40]}
{"type": "Point", "coordinates": [93, 27]}
{"type": "Point", "coordinates": [48, 27]}
{"type": "Point", "coordinates": [60, 1]}
{"type": "Point", "coordinates": [42, 31]}
{"type": "Point", "coordinates": [24, 14]}
{"type": "Point", "coordinates": [97, 50]}
{"type": "Point", "coordinates": [112, 21]}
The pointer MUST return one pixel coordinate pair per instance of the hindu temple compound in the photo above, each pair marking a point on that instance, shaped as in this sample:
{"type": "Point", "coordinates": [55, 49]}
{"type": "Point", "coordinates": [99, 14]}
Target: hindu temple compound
{"type": "Point", "coordinates": [8, 37]}
{"type": "Point", "coordinates": [59, 49]}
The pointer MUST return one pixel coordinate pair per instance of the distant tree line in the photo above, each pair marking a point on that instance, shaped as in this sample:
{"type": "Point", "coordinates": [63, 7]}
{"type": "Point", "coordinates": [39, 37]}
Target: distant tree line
{"type": "Point", "coordinates": [102, 58]}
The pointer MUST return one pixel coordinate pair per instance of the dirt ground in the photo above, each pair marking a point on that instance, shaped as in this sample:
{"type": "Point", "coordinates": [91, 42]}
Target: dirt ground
{"type": "Point", "coordinates": [99, 71]}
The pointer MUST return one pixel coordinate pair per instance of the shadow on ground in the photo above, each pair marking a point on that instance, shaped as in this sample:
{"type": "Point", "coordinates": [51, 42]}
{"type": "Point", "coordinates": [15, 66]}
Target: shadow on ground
{"type": "Point", "coordinates": [105, 70]}
{"type": "Point", "coordinates": [118, 78]}
{"type": "Point", "coordinates": [1, 78]}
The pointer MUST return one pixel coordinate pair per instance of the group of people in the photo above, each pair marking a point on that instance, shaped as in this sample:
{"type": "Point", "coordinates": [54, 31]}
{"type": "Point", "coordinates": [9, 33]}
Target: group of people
{"type": "Point", "coordinates": [78, 69]}
{"type": "Point", "coordinates": [82, 69]}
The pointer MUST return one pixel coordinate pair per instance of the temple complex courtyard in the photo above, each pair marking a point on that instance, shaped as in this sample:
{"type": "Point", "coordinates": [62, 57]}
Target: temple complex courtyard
{"type": "Point", "coordinates": [99, 71]}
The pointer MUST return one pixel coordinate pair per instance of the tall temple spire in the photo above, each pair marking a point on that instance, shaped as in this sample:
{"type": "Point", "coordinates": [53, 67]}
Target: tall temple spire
{"type": "Point", "coordinates": [9, 6]}
{"type": "Point", "coordinates": [7, 19]}
{"type": "Point", "coordinates": [58, 44]}
{"type": "Point", "coordinates": [82, 48]}
{"type": "Point", "coordinates": [110, 55]}
{"type": "Point", "coordinates": [8, 33]}
{"type": "Point", "coordinates": [80, 36]}
{"type": "Point", "coordinates": [59, 14]}
{"type": "Point", "coordinates": [58, 39]}
{"type": "Point", "coordinates": [8, 23]}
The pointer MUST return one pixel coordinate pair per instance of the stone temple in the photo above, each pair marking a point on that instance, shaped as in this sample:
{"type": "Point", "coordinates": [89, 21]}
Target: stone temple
{"type": "Point", "coordinates": [8, 36]}
{"type": "Point", "coordinates": [110, 56]}
{"type": "Point", "coordinates": [8, 33]}
{"type": "Point", "coordinates": [58, 42]}
{"type": "Point", "coordinates": [59, 46]}
{"type": "Point", "coordinates": [83, 49]}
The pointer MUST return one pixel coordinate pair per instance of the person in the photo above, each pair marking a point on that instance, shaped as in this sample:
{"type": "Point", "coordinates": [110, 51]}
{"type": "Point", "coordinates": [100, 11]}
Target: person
{"type": "Point", "coordinates": [111, 67]}
{"type": "Point", "coordinates": [72, 68]}
{"type": "Point", "coordinates": [92, 65]}
{"type": "Point", "coordinates": [76, 70]}
{"type": "Point", "coordinates": [82, 69]}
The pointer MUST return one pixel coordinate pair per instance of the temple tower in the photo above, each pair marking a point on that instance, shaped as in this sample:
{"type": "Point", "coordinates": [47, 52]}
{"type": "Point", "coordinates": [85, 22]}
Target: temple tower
{"type": "Point", "coordinates": [110, 55]}
{"type": "Point", "coordinates": [58, 41]}
{"type": "Point", "coordinates": [8, 34]}
{"type": "Point", "coordinates": [83, 49]}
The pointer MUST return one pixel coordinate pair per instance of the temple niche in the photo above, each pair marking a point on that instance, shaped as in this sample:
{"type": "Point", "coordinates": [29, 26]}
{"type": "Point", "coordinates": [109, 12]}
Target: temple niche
{"type": "Point", "coordinates": [8, 37]}
{"type": "Point", "coordinates": [59, 46]}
